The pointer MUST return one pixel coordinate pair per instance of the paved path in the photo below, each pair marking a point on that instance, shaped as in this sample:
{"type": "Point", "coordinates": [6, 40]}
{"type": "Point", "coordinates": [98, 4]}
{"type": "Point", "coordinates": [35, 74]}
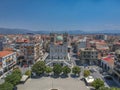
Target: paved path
{"type": "Point", "coordinates": [45, 83]}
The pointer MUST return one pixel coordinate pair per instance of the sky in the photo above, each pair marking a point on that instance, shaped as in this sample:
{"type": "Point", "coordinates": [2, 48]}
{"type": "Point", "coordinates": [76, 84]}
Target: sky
{"type": "Point", "coordinates": [54, 15]}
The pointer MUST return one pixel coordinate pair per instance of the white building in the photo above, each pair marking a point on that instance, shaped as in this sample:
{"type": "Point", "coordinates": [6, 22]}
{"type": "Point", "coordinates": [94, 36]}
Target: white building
{"type": "Point", "coordinates": [58, 50]}
{"type": "Point", "coordinates": [82, 43]}
{"type": "Point", "coordinates": [7, 60]}
{"type": "Point", "coordinates": [107, 63]}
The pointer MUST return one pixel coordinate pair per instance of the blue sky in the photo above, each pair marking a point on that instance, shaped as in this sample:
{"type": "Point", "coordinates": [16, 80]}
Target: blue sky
{"type": "Point", "coordinates": [60, 14]}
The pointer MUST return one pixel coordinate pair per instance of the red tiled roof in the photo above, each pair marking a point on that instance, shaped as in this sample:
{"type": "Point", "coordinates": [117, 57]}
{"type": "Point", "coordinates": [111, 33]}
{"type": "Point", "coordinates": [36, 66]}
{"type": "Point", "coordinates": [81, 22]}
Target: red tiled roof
{"type": "Point", "coordinates": [22, 40]}
{"type": "Point", "coordinates": [109, 59]}
{"type": "Point", "coordinates": [8, 49]}
{"type": "Point", "coordinates": [5, 53]}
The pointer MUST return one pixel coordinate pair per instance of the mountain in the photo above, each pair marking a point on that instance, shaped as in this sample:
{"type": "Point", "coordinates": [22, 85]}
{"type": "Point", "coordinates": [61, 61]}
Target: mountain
{"type": "Point", "coordinates": [107, 31]}
{"type": "Point", "coordinates": [62, 31]}
{"type": "Point", "coordinates": [25, 31]}
{"type": "Point", "coordinates": [14, 31]}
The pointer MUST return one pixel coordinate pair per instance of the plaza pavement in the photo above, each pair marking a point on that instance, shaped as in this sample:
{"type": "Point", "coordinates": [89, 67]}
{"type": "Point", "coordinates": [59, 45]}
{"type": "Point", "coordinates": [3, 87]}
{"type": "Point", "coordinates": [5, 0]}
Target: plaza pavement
{"type": "Point", "coordinates": [46, 83]}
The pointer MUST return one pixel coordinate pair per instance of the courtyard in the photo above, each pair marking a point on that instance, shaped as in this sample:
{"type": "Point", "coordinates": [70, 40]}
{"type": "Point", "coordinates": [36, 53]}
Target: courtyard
{"type": "Point", "coordinates": [46, 83]}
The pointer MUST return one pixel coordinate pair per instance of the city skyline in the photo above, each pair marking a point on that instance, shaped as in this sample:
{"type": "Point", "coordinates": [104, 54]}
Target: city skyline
{"type": "Point", "coordinates": [58, 15]}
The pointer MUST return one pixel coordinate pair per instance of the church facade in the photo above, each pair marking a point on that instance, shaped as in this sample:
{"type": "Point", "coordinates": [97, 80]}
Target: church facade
{"type": "Point", "coordinates": [58, 50]}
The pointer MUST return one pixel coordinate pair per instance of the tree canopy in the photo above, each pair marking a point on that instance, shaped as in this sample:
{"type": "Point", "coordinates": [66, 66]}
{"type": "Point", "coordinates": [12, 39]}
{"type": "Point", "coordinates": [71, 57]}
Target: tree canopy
{"type": "Point", "coordinates": [98, 83]}
{"type": "Point", "coordinates": [106, 88]}
{"type": "Point", "coordinates": [14, 78]}
{"type": "Point", "coordinates": [76, 70]}
{"type": "Point", "coordinates": [86, 73]}
{"type": "Point", "coordinates": [39, 67]}
{"type": "Point", "coordinates": [6, 86]}
{"type": "Point", "coordinates": [48, 69]}
{"type": "Point", "coordinates": [57, 69]}
{"type": "Point", "coordinates": [28, 73]}
{"type": "Point", "coordinates": [66, 70]}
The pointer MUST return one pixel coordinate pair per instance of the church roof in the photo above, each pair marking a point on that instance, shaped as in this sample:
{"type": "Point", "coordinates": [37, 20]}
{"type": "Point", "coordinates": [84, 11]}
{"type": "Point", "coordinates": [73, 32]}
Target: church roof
{"type": "Point", "coordinates": [59, 38]}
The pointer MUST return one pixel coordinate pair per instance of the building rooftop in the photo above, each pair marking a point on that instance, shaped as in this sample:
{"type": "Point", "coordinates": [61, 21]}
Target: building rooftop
{"type": "Point", "coordinates": [5, 53]}
{"type": "Point", "coordinates": [59, 38]}
{"type": "Point", "coordinates": [117, 51]}
{"type": "Point", "coordinates": [109, 59]}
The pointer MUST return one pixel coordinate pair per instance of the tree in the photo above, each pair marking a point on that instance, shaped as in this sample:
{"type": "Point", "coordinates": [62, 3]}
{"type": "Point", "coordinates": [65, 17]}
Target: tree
{"type": "Point", "coordinates": [66, 70]}
{"type": "Point", "coordinates": [6, 86]}
{"type": "Point", "coordinates": [76, 70]}
{"type": "Point", "coordinates": [86, 73]}
{"type": "Point", "coordinates": [48, 69]}
{"type": "Point", "coordinates": [104, 88]}
{"type": "Point", "coordinates": [97, 84]}
{"type": "Point", "coordinates": [28, 73]}
{"type": "Point", "coordinates": [39, 67]}
{"type": "Point", "coordinates": [17, 71]}
{"type": "Point", "coordinates": [13, 79]}
{"type": "Point", "coordinates": [114, 88]}
{"type": "Point", "coordinates": [57, 69]}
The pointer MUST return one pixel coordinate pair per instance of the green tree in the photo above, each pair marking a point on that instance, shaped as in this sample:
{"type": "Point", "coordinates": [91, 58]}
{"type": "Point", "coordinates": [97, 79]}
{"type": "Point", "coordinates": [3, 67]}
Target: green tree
{"type": "Point", "coordinates": [6, 86]}
{"type": "Point", "coordinates": [13, 79]}
{"type": "Point", "coordinates": [104, 88]}
{"type": "Point", "coordinates": [114, 88]}
{"type": "Point", "coordinates": [66, 70]}
{"type": "Point", "coordinates": [98, 83]}
{"type": "Point", "coordinates": [39, 67]}
{"type": "Point", "coordinates": [76, 70]}
{"type": "Point", "coordinates": [17, 71]}
{"type": "Point", "coordinates": [48, 69]}
{"type": "Point", "coordinates": [86, 73]}
{"type": "Point", "coordinates": [28, 73]}
{"type": "Point", "coordinates": [57, 69]}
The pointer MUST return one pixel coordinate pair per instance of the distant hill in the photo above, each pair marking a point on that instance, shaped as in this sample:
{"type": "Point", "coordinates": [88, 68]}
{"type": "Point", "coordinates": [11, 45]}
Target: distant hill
{"type": "Point", "coordinates": [14, 31]}
{"type": "Point", "coordinates": [25, 31]}
{"type": "Point", "coordinates": [62, 31]}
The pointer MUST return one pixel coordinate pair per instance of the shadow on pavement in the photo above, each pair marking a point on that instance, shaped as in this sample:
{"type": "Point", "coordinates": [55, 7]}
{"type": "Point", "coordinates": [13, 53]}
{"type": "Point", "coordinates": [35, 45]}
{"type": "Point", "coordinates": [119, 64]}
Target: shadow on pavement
{"type": "Point", "coordinates": [64, 76]}
{"type": "Point", "coordinates": [55, 76]}
{"type": "Point", "coordinates": [74, 76]}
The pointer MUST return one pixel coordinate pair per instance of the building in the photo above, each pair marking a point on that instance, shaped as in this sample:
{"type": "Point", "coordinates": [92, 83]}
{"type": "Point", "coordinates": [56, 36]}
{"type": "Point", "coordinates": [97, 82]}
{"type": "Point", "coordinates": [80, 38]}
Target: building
{"type": "Point", "coordinates": [107, 63]}
{"type": "Point", "coordinates": [1, 45]}
{"type": "Point", "coordinates": [7, 60]}
{"type": "Point", "coordinates": [58, 50]}
{"type": "Point", "coordinates": [31, 52]}
{"type": "Point", "coordinates": [82, 43]}
{"type": "Point", "coordinates": [88, 56]}
{"type": "Point", "coordinates": [116, 70]}
{"type": "Point", "coordinates": [30, 49]}
{"type": "Point", "coordinates": [116, 46]}
{"type": "Point", "coordinates": [101, 37]}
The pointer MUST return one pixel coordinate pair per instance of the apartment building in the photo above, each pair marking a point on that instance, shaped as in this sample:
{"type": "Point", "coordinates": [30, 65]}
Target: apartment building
{"type": "Point", "coordinates": [116, 70]}
{"type": "Point", "coordinates": [88, 56]}
{"type": "Point", "coordinates": [7, 60]}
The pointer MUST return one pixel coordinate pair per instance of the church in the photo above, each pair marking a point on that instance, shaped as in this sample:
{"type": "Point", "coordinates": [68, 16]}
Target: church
{"type": "Point", "coordinates": [58, 50]}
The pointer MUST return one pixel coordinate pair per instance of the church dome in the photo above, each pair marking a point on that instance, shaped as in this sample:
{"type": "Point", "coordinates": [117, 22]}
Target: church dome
{"type": "Point", "coordinates": [59, 38]}
{"type": "Point", "coordinates": [117, 51]}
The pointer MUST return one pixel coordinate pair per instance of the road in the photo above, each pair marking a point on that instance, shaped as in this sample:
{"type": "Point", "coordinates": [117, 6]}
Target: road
{"type": "Point", "coordinates": [74, 59]}
{"type": "Point", "coordinates": [107, 82]}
